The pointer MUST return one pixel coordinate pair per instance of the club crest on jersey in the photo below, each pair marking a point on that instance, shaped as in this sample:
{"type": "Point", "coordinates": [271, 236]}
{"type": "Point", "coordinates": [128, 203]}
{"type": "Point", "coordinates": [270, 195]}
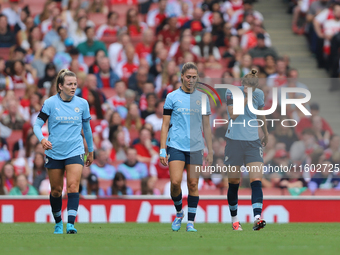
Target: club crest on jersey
{"type": "Point", "coordinates": [198, 102]}
{"type": "Point", "coordinates": [76, 109]}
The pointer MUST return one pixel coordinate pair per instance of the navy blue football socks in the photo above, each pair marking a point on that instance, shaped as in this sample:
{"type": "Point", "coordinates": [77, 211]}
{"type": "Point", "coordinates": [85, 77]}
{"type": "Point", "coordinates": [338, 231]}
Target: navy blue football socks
{"type": "Point", "coordinates": [178, 202]}
{"type": "Point", "coordinates": [233, 198]}
{"type": "Point", "coordinates": [72, 206]}
{"type": "Point", "coordinates": [192, 207]}
{"type": "Point", "coordinates": [256, 197]}
{"type": "Point", "coordinates": [56, 203]}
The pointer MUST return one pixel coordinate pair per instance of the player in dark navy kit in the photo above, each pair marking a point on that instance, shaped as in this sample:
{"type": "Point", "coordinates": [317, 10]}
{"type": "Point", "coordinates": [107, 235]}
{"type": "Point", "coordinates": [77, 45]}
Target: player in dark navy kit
{"type": "Point", "coordinates": [245, 148]}
{"type": "Point", "coordinates": [67, 116]}
{"type": "Point", "coordinates": [183, 120]}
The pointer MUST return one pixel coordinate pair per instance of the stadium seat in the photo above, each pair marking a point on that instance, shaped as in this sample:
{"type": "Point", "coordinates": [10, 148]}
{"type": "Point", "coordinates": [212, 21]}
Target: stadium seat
{"type": "Point", "coordinates": [210, 192]}
{"type": "Point", "coordinates": [116, 163]}
{"type": "Point", "coordinates": [259, 62]}
{"type": "Point", "coordinates": [214, 73]}
{"type": "Point", "coordinates": [160, 184]}
{"type": "Point", "coordinates": [88, 60]}
{"type": "Point", "coordinates": [134, 185]}
{"type": "Point", "coordinates": [104, 184]}
{"type": "Point", "coordinates": [2, 163]}
{"type": "Point", "coordinates": [158, 135]}
{"type": "Point", "coordinates": [5, 53]}
{"type": "Point", "coordinates": [136, 39]}
{"type": "Point", "coordinates": [222, 50]}
{"type": "Point", "coordinates": [129, 2]}
{"type": "Point", "coordinates": [97, 18]}
{"type": "Point", "coordinates": [108, 92]}
{"type": "Point", "coordinates": [108, 39]}
{"type": "Point", "coordinates": [134, 133]}
{"type": "Point", "coordinates": [12, 139]}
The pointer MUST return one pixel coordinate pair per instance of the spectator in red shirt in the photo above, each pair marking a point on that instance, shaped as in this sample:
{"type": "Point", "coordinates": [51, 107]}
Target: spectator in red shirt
{"type": "Point", "coordinates": [157, 16]}
{"type": "Point", "coordinates": [133, 25]}
{"type": "Point", "coordinates": [195, 24]}
{"type": "Point", "coordinates": [126, 68]}
{"type": "Point", "coordinates": [144, 48]}
{"type": "Point", "coordinates": [110, 28]}
{"type": "Point", "coordinates": [170, 33]}
{"type": "Point", "coordinates": [106, 78]}
{"type": "Point", "coordinates": [146, 152]}
{"type": "Point", "coordinates": [185, 16]}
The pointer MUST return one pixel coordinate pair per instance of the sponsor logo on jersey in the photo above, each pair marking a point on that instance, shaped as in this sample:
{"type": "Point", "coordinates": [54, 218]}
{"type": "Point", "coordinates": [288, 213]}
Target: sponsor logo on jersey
{"type": "Point", "coordinates": [66, 118]}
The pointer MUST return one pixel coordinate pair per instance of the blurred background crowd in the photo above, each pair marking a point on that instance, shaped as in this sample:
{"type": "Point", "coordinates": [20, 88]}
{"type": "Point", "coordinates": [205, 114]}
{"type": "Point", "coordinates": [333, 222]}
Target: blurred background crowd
{"type": "Point", "coordinates": [127, 55]}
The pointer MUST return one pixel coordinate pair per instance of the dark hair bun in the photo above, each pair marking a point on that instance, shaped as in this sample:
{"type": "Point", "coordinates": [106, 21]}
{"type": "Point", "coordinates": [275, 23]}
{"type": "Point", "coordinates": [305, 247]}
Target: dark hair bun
{"type": "Point", "coordinates": [254, 71]}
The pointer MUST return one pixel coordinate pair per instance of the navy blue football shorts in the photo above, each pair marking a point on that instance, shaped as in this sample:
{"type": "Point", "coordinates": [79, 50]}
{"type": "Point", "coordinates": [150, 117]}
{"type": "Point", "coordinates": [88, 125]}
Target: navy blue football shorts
{"type": "Point", "coordinates": [189, 157]}
{"type": "Point", "coordinates": [51, 163]}
{"type": "Point", "coordinates": [238, 153]}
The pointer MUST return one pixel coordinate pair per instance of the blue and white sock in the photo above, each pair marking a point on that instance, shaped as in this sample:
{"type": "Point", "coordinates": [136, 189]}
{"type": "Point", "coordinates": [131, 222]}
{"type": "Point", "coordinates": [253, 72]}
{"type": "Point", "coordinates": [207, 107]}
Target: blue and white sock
{"type": "Point", "coordinates": [233, 200]}
{"type": "Point", "coordinates": [178, 202]}
{"type": "Point", "coordinates": [72, 206]}
{"type": "Point", "coordinates": [256, 198]}
{"type": "Point", "coordinates": [192, 207]}
{"type": "Point", "coordinates": [56, 204]}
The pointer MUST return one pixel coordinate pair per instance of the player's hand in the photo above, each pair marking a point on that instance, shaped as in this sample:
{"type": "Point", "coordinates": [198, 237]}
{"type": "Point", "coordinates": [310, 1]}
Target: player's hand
{"type": "Point", "coordinates": [89, 159]}
{"type": "Point", "coordinates": [163, 157]}
{"type": "Point", "coordinates": [47, 145]}
{"type": "Point", "coordinates": [264, 140]}
{"type": "Point", "coordinates": [209, 158]}
{"type": "Point", "coordinates": [164, 161]}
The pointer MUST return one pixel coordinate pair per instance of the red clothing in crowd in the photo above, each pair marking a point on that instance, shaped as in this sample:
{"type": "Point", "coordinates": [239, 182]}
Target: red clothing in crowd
{"type": "Point", "coordinates": [307, 123]}
{"type": "Point", "coordinates": [142, 50]}
{"type": "Point", "coordinates": [169, 37]}
{"type": "Point", "coordinates": [162, 171]}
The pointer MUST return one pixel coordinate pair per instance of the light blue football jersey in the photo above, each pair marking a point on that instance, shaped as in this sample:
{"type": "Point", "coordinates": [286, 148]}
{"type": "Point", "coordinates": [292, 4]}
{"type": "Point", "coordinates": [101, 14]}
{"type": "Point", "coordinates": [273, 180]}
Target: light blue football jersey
{"type": "Point", "coordinates": [239, 129]}
{"type": "Point", "coordinates": [65, 125]}
{"type": "Point", "coordinates": [185, 130]}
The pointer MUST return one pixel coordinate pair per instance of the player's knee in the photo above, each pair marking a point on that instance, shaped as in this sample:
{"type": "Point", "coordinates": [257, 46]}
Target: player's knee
{"type": "Point", "coordinates": [73, 188]}
{"type": "Point", "coordinates": [56, 191]}
{"type": "Point", "coordinates": [255, 179]}
{"type": "Point", "coordinates": [234, 180]}
{"type": "Point", "coordinates": [175, 185]}
{"type": "Point", "coordinates": [193, 186]}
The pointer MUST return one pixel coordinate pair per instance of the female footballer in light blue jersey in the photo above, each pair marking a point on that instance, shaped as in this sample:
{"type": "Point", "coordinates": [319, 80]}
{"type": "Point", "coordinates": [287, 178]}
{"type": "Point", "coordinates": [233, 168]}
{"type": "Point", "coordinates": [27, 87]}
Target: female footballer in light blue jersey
{"type": "Point", "coordinates": [182, 133]}
{"type": "Point", "coordinates": [67, 116]}
{"type": "Point", "coordinates": [245, 148]}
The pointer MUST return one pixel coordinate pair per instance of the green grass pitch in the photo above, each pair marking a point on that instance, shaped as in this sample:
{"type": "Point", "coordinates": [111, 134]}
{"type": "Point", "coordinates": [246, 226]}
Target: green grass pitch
{"type": "Point", "coordinates": [156, 238]}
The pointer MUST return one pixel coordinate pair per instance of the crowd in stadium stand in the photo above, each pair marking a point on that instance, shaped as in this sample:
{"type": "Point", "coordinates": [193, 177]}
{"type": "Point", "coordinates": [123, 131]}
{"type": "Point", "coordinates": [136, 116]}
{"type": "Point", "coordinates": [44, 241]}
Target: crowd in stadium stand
{"type": "Point", "coordinates": [127, 57]}
{"type": "Point", "coordinates": [319, 20]}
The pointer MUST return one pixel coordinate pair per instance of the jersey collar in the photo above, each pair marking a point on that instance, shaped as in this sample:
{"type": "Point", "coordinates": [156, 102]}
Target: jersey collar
{"type": "Point", "coordinates": [63, 100]}
{"type": "Point", "coordinates": [180, 88]}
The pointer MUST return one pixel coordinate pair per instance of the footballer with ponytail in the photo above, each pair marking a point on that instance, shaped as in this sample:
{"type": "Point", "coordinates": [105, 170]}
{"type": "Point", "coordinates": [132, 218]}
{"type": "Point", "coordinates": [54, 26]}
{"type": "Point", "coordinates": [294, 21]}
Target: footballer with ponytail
{"type": "Point", "coordinates": [68, 115]}
{"type": "Point", "coordinates": [182, 142]}
{"type": "Point", "coordinates": [244, 147]}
